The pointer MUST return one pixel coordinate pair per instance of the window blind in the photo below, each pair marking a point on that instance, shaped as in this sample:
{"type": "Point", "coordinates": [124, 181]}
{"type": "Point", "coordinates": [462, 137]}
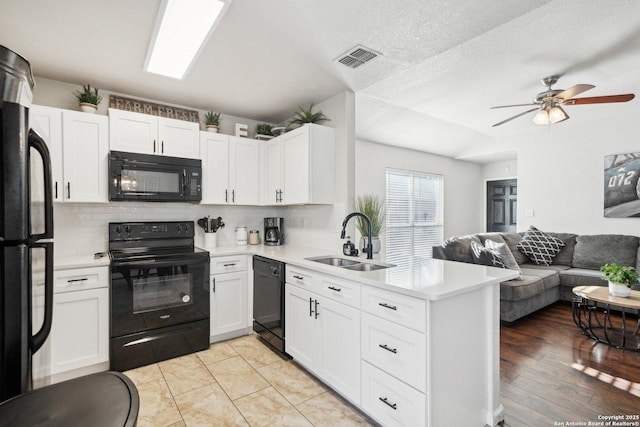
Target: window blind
{"type": "Point", "coordinates": [414, 215]}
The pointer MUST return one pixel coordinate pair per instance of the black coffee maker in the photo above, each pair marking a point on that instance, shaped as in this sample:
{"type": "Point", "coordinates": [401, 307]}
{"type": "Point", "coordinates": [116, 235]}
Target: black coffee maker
{"type": "Point", "coordinates": [273, 231]}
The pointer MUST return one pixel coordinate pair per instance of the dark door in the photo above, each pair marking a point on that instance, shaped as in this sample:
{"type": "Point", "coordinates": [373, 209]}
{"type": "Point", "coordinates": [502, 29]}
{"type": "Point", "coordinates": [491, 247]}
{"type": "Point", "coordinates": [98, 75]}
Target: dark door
{"type": "Point", "coordinates": [502, 202]}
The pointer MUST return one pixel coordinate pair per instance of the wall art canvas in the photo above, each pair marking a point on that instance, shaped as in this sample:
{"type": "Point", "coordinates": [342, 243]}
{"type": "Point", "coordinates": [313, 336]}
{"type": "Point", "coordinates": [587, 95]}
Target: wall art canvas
{"type": "Point", "coordinates": [621, 185]}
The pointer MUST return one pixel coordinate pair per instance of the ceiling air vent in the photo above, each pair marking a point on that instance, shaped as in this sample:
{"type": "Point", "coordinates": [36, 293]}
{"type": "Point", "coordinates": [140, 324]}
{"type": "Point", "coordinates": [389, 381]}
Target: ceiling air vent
{"type": "Point", "coordinates": [357, 56]}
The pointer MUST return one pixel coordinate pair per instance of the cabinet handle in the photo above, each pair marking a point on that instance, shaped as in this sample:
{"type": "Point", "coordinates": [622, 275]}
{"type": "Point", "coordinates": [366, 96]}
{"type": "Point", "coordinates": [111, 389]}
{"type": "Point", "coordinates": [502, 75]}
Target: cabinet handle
{"type": "Point", "coordinates": [233, 196]}
{"type": "Point", "coordinates": [162, 145]}
{"type": "Point", "coordinates": [310, 307]}
{"type": "Point", "coordinates": [68, 190]}
{"type": "Point", "coordinates": [77, 280]}
{"type": "Point", "coordinates": [154, 145]}
{"type": "Point", "coordinates": [317, 304]}
{"type": "Point", "coordinates": [214, 285]}
{"type": "Point", "coordinates": [229, 265]}
{"type": "Point", "coordinates": [384, 400]}
{"type": "Point", "coordinates": [226, 196]}
{"type": "Point", "coordinates": [298, 277]}
{"type": "Point", "coordinates": [385, 305]}
{"type": "Point", "coordinates": [280, 196]}
{"type": "Point", "coordinates": [392, 350]}
{"type": "Point", "coordinates": [56, 190]}
{"type": "Point", "coordinates": [335, 289]}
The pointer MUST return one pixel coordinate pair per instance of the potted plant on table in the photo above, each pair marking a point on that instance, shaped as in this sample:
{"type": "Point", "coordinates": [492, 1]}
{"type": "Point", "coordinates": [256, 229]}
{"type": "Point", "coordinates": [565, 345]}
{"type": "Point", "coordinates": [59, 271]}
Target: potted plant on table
{"type": "Point", "coordinates": [88, 99]}
{"type": "Point", "coordinates": [212, 121]}
{"type": "Point", "coordinates": [621, 279]}
{"type": "Point", "coordinates": [373, 207]}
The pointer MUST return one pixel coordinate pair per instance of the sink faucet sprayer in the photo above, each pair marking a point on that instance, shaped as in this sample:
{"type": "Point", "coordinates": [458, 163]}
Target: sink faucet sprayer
{"type": "Point", "coordinates": [369, 248]}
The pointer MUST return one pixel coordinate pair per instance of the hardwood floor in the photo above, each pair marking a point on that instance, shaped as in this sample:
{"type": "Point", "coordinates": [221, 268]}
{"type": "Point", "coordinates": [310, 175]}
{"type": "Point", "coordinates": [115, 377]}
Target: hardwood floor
{"type": "Point", "coordinates": [552, 375]}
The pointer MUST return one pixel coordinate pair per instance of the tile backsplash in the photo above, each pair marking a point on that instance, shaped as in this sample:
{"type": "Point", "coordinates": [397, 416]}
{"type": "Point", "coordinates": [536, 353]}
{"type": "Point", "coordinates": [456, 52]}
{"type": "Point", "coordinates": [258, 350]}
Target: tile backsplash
{"type": "Point", "coordinates": [81, 229]}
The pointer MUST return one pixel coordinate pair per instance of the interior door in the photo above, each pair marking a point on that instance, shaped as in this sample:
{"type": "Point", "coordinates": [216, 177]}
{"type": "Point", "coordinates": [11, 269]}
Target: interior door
{"type": "Point", "coordinates": [502, 202]}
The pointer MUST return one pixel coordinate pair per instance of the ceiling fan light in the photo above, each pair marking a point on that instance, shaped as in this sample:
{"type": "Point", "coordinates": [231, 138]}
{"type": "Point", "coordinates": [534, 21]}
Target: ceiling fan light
{"type": "Point", "coordinates": [557, 114]}
{"type": "Point", "coordinates": [541, 117]}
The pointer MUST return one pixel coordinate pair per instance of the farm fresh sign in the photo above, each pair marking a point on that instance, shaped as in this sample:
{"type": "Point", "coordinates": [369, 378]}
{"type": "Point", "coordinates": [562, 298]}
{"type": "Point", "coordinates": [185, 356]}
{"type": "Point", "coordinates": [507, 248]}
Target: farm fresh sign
{"type": "Point", "coordinates": [153, 109]}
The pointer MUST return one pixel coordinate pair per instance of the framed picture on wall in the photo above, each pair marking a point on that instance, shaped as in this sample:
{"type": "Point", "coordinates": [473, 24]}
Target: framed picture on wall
{"type": "Point", "coordinates": [621, 185]}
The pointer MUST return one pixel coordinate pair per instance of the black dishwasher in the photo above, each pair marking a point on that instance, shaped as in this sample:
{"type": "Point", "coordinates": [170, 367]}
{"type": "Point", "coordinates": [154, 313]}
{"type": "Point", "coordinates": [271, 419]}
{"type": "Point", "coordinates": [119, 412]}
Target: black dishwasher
{"type": "Point", "coordinates": [268, 301]}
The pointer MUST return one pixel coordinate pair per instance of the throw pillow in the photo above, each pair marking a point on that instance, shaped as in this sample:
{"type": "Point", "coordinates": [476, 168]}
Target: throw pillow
{"type": "Point", "coordinates": [458, 248]}
{"type": "Point", "coordinates": [505, 256]}
{"type": "Point", "coordinates": [486, 256]}
{"type": "Point", "coordinates": [540, 247]}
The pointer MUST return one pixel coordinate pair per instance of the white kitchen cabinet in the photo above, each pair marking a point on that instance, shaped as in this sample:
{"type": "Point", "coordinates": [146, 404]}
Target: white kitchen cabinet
{"type": "Point", "coordinates": [229, 302]}
{"type": "Point", "coordinates": [47, 122]}
{"type": "Point", "coordinates": [324, 336]}
{"type": "Point", "coordinates": [147, 134]}
{"type": "Point", "coordinates": [78, 144]}
{"type": "Point", "coordinates": [85, 157]}
{"type": "Point", "coordinates": [79, 339]}
{"type": "Point", "coordinates": [301, 166]}
{"type": "Point", "coordinates": [230, 168]}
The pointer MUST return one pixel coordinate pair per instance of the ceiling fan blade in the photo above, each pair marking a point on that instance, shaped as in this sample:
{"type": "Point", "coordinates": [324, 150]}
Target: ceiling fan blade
{"type": "Point", "coordinates": [573, 91]}
{"type": "Point", "coordinates": [599, 99]}
{"type": "Point", "coordinates": [514, 105]}
{"type": "Point", "coordinates": [516, 116]}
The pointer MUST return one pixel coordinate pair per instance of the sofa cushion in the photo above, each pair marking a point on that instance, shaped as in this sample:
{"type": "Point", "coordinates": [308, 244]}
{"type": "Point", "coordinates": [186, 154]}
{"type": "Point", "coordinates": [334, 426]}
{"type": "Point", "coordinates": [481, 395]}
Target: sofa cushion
{"type": "Point", "coordinates": [496, 237]}
{"type": "Point", "coordinates": [505, 255]}
{"type": "Point", "coordinates": [591, 252]}
{"type": "Point", "coordinates": [512, 240]}
{"type": "Point", "coordinates": [540, 247]}
{"type": "Point", "coordinates": [459, 248]}
{"type": "Point", "coordinates": [486, 256]}
{"type": "Point", "coordinates": [582, 277]}
{"type": "Point", "coordinates": [565, 257]}
{"type": "Point", "coordinates": [554, 267]}
{"type": "Point", "coordinates": [533, 282]}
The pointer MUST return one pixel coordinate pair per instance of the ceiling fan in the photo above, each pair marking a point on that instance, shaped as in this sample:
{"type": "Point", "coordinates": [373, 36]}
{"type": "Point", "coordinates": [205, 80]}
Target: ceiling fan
{"type": "Point", "coordinates": [548, 104]}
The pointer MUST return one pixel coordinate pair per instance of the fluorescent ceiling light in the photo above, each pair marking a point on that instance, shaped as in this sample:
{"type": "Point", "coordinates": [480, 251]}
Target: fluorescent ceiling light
{"type": "Point", "coordinates": [182, 28]}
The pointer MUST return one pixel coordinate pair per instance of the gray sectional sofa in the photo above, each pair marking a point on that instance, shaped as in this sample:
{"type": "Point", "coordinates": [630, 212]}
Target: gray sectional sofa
{"type": "Point", "coordinates": [577, 264]}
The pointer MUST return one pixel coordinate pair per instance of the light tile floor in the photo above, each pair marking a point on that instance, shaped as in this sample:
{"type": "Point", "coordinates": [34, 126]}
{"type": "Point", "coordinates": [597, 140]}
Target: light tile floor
{"type": "Point", "coordinates": [239, 382]}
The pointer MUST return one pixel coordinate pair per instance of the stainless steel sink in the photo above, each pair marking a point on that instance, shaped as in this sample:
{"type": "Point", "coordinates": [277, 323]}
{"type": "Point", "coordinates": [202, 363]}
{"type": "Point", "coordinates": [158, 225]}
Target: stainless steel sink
{"type": "Point", "coordinates": [366, 267]}
{"type": "Point", "coordinates": [336, 262]}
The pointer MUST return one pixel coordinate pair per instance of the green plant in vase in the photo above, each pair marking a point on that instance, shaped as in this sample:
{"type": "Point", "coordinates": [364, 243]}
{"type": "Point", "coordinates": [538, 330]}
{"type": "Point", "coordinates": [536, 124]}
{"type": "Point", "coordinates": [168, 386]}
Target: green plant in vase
{"type": "Point", "coordinates": [88, 99]}
{"type": "Point", "coordinates": [621, 279]}
{"type": "Point", "coordinates": [374, 208]}
{"type": "Point", "coordinates": [264, 129]}
{"type": "Point", "coordinates": [212, 121]}
{"type": "Point", "coordinates": [307, 115]}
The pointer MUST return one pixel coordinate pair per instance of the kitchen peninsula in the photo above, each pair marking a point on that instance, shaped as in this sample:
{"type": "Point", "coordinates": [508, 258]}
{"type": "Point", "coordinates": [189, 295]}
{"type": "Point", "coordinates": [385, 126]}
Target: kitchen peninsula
{"type": "Point", "coordinates": [409, 345]}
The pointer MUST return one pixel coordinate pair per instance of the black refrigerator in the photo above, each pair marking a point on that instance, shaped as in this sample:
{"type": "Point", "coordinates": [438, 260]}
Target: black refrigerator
{"type": "Point", "coordinates": [26, 228]}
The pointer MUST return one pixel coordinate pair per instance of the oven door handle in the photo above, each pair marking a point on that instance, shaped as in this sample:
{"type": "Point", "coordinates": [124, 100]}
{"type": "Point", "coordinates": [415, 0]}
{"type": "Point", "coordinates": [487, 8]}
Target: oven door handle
{"type": "Point", "coordinates": [154, 263]}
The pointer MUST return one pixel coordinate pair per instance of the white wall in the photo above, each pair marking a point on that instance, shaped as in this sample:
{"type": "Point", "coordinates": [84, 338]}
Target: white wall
{"type": "Point", "coordinates": [463, 194]}
{"type": "Point", "coordinates": [561, 174]}
{"type": "Point", "coordinates": [500, 170]}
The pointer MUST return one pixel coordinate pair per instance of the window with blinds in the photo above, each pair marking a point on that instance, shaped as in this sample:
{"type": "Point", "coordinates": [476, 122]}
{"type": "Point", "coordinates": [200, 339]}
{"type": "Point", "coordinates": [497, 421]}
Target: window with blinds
{"type": "Point", "coordinates": [414, 215]}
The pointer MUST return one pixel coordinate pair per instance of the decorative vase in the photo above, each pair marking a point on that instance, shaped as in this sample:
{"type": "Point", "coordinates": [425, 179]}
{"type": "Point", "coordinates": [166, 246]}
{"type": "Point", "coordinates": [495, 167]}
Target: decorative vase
{"type": "Point", "coordinates": [618, 290]}
{"type": "Point", "coordinates": [375, 241]}
{"type": "Point", "coordinates": [85, 107]}
{"type": "Point", "coordinates": [212, 128]}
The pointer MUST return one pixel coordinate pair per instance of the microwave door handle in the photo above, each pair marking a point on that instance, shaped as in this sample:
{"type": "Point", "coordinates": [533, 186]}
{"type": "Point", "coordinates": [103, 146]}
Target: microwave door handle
{"type": "Point", "coordinates": [41, 147]}
{"type": "Point", "coordinates": [184, 182]}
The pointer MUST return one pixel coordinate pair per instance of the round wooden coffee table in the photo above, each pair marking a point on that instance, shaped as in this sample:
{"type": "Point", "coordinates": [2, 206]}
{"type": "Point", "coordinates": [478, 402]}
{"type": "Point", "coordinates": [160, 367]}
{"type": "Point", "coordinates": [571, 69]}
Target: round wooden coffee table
{"type": "Point", "coordinates": [592, 314]}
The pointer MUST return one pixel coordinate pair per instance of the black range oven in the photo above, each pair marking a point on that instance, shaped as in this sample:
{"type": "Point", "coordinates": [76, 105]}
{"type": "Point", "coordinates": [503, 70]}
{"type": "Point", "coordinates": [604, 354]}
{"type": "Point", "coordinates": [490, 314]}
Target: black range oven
{"type": "Point", "coordinates": [159, 293]}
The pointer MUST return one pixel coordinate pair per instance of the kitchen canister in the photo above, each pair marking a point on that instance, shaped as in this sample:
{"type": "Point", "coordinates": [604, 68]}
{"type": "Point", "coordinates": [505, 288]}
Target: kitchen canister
{"type": "Point", "coordinates": [241, 235]}
{"type": "Point", "coordinates": [254, 237]}
{"type": "Point", "coordinates": [210, 240]}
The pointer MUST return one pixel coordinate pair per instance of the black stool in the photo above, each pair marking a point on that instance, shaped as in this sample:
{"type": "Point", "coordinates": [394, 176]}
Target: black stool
{"type": "Point", "coordinates": [105, 399]}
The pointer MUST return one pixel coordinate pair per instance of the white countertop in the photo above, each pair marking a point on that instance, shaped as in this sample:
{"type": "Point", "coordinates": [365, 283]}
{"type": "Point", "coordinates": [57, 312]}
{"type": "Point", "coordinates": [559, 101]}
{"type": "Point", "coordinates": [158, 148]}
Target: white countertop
{"type": "Point", "coordinates": [429, 279]}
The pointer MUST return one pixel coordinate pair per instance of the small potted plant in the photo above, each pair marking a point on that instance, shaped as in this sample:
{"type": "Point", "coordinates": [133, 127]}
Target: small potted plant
{"type": "Point", "coordinates": [263, 131]}
{"type": "Point", "coordinates": [621, 279]}
{"type": "Point", "coordinates": [212, 121]}
{"type": "Point", "coordinates": [88, 99]}
{"type": "Point", "coordinates": [303, 116]}
{"type": "Point", "coordinates": [373, 207]}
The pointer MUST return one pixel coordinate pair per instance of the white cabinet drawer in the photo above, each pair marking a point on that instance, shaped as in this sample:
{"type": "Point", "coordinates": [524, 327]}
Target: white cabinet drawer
{"type": "Point", "coordinates": [228, 264]}
{"type": "Point", "coordinates": [389, 401]}
{"type": "Point", "coordinates": [401, 309]}
{"type": "Point", "coordinates": [341, 290]}
{"type": "Point", "coordinates": [395, 349]}
{"type": "Point", "coordinates": [80, 279]}
{"type": "Point", "coordinates": [303, 278]}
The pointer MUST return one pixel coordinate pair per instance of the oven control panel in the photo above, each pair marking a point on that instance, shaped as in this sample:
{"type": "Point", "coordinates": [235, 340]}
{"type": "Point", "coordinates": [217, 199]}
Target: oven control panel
{"type": "Point", "coordinates": [150, 230]}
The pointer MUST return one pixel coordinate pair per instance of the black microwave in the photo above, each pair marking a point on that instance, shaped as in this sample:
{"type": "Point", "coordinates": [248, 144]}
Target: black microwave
{"type": "Point", "coordinates": [147, 177]}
